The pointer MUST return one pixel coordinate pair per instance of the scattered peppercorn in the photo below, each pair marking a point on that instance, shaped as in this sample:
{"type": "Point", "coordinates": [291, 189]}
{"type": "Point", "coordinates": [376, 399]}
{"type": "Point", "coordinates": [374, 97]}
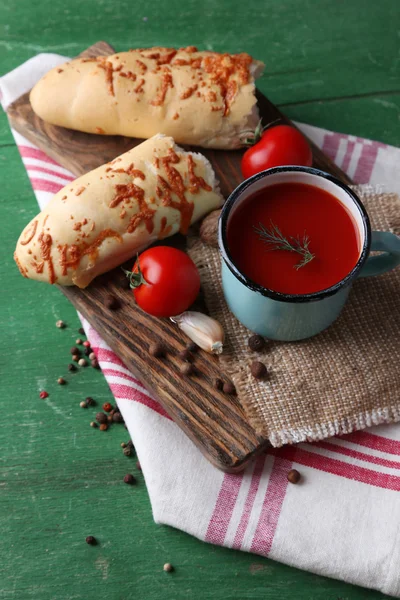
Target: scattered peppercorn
{"type": "Point", "coordinates": [90, 402]}
{"type": "Point", "coordinates": [92, 356]}
{"type": "Point", "coordinates": [229, 388]}
{"type": "Point", "coordinates": [86, 343]}
{"type": "Point", "coordinates": [127, 451]}
{"type": "Point", "coordinates": [71, 367]}
{"type": "Point", "coordinates": [79, 342]}
{"type": "Point", "coordinates": [129, 479]}
{"type": "Point", "coordinates": [168, 568]}
{"type": "Point", "coordinates": [81, 331]}
{"type": "Point", "coordinates": [157, 350]}
{"type": "Point", "coordinates": [256, 343]}
{"type": "Point", "coordinates": [258, 370]}
{"type": "Point", "coordinates": [107, 407]}
{"type": "Point", "coordinates": [293, 476]}
{"type": "Point", "coordinates": [61, 381]}
{"type": "Point", "coordinates": [91, 540]}
{"type": "Point", "coordinates": [95, 364]}
{"type": "Point", "coordinates": [130, 444]}
{"type": "Point", "coordinates": [76, 357]}
{"type": "Point", "coordinates": [103, 427]}
{"type": "Point", "coordinates": [74, 350]}
{"type": "Point", "coordinates": [82, 362]}
{"type": "Point", "coordinates": [123, 445]}
{"type": "Point", "coordinates": [101, 417]}
{"type": "Point", "coordinates": [43, 395]}
{"type": "Point", "coordinates": [138, 466]}
{"type": "Point", "coordinates": [87, 352]}
{"type": "Point", "coordinates": [83, 404]}
{"type": "Point", "coordinates": [192, 347]}
{"type": "Point", "coordinates": [218, 383]}
{"type": "Point", "coordinates": [112, 303]}
{"type": "Point", "coordinates": [60, 324]}
{"type": "Point", "coordinates": [186, 369]}
{"type": "Point", "coordinates": [93, 424]}
{"type": "Point", "coordinates": [117, 417]}
{"type": "Point", "coordinates": [185, 354]}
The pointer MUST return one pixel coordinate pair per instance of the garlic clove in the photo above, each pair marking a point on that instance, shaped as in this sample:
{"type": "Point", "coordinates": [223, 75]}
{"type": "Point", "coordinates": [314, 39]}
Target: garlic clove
{"type": "Point", "coordinates": [201, 329]}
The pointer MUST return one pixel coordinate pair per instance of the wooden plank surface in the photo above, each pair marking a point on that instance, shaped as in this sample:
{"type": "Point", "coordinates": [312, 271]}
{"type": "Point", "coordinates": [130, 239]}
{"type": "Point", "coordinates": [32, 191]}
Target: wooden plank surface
{"type": "Point", "coordinates": [214, 421]}
{"type": "Point", "coordinates": [59, 480]}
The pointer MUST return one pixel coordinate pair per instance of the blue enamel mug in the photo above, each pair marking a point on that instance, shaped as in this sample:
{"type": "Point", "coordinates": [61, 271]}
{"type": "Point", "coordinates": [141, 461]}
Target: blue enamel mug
{"type": "Point", "coordinates": [290, 317]}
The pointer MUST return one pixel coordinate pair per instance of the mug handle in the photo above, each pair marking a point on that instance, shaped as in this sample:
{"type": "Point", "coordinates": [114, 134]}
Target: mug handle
{"type": "Point", "coordinates": [387, 243]}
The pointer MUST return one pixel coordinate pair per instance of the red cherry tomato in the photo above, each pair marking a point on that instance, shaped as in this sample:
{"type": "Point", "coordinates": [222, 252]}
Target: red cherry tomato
{"type": "Point", "coordinates": [278, 146]}
{"type": "Point", "coordinates": [165, 280]}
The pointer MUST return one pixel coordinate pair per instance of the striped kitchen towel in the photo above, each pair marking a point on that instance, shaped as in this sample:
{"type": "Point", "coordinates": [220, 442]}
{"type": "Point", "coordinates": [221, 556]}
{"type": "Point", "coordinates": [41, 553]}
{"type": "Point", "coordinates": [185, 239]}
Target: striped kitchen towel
{"type": "Point", "coordinates": [343, 519]}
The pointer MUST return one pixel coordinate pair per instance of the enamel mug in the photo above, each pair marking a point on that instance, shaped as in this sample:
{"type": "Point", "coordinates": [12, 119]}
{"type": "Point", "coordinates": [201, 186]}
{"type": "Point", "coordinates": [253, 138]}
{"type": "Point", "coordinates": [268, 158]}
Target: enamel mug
{"type": "Point", "coordinates": [290, 317]}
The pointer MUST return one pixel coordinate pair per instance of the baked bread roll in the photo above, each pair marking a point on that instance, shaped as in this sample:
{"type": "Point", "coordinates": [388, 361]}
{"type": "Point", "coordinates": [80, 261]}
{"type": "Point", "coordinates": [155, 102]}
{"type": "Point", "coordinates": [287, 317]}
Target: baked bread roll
{"type": "Point", "coordinates": [108, 215]}
{"type": "Point", "coordinates": [201, 98]}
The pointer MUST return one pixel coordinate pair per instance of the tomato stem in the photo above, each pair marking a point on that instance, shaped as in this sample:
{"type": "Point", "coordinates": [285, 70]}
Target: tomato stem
{"type": "Point", "coordinates": [250, 137]}
{"type": "Point", "coordinates": [136, 278]}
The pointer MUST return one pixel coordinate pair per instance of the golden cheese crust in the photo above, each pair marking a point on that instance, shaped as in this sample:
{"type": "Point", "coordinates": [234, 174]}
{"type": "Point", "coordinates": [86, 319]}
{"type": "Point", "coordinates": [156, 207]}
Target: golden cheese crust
{"type": "Point", "coordinates": [108, 215]}
{"type": "Point", "coordinates": [201, 98]}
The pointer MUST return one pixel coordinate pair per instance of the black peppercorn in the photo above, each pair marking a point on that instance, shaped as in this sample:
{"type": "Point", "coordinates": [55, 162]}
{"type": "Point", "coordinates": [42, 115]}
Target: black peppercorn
{"type": "Point", "coordinates": [127, 451]}
{"type": "Point", "coordinates": [185, 354]}
{"type": "Point", "coordinates": [258, 370]}
{"type": "Point", "coordinates": [90, 401]}
{"type": "Point", "coordinates": [101, 417]}
{"type": "Point", "coordinates": [229, 388]}
{"type": "Point", "coordinates": [91, 540]}
{"type": "Point", "coordinates": [186, 369]}
{"type": "Point", "coordinates": [218, 383]}
{"type": "Point", "coordinates": [74, 350]}
{"type": "Point", "coordinates": [293, 476]}
{"type": "Point", "coordinates": [192, 347]}
{"type": "Point", "coordinates": [112, 303]}
{"type": "Point", "coordinates": [71, 367]}
{"type": "Point", "coordinates": [81, 331]}
{"type": "Point", "coordinates": [117, 417]}
{"type": "Point", "coordinates": [157, 350]}
{"type": "Point", "coordinates": [129, 479]}
{"type": "Point", "coordinates": [256, 343]}
{"type": "Point", "coordinates": [95, 364]}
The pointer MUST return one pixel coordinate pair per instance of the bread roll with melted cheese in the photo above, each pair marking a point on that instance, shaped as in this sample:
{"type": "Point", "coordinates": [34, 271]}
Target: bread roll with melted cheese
{"type": "Point", "coordinates": [108, 215]}
{"type": "Point", "coordinates": [201, 98]}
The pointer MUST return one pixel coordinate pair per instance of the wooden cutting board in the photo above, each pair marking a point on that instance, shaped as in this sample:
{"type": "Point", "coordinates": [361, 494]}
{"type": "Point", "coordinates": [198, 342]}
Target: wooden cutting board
{"type": "Point", "coordinates": [214, 421]}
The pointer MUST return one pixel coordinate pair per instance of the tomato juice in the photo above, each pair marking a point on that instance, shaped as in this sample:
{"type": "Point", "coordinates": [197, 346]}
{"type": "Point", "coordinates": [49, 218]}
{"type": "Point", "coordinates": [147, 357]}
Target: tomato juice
{"type": "Point", "coordinates": [297, 210]}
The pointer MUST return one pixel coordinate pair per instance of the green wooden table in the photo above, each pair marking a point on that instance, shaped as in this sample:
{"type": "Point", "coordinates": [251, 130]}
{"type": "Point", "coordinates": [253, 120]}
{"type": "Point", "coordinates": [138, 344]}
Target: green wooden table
{"type": "Point", "coordinates": [331, 64]}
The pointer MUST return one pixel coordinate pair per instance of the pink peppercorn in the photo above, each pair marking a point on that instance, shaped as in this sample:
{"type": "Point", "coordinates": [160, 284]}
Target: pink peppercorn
{"type": "Point", "coordinates": [86, 344]}
{"type": "Point", "coordinates": [43, 395]}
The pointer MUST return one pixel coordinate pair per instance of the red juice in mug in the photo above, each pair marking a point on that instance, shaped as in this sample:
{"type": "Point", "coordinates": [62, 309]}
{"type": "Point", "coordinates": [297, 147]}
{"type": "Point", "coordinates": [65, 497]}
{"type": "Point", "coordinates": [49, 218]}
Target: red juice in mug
{"type": "Point", "coordinates": [301, 213]}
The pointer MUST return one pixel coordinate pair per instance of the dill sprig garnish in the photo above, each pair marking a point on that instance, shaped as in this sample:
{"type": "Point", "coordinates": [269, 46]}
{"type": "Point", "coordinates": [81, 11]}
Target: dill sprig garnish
{"type": "Point", "coordinates": [275, 238]}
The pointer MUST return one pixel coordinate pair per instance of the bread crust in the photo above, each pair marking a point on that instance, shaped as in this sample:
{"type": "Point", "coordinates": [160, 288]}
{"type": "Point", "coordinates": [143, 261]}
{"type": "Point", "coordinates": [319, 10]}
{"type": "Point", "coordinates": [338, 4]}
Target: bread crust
{"type": "Point", "coordinates": [105, 217]}
{"type": "Point", "coordinates": [201, 98]}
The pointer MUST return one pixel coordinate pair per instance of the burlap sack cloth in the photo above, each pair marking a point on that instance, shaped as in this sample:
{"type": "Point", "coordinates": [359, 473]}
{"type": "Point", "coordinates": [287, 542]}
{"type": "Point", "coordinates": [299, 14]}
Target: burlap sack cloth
{"type": "Point", "coordinates": [344, 379]}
